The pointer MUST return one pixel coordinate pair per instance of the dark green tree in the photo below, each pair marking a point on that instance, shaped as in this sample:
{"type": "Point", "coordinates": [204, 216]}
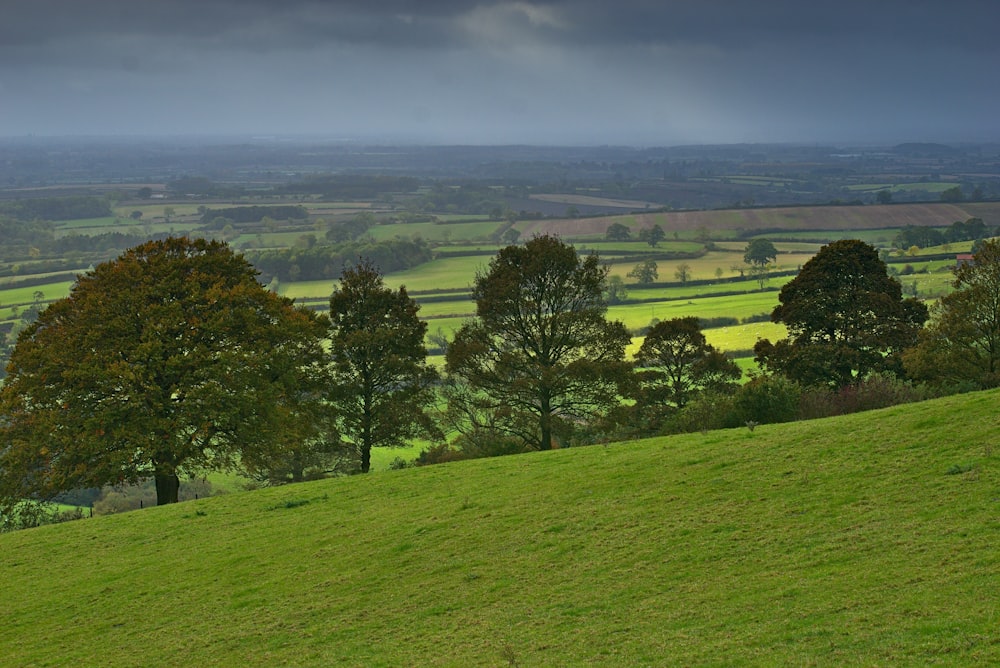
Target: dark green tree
{"type": "Point", "coordinates": [618, 232]}
{"type": "Point", "coordinates": [680, 363]}
{"type": "Point", "coordinates": [652, 235]}
{"type": "Point", "coordinates": [845, 316]}
{"type": "Point", "coordinates": [540, 349]}
{"type": "Point", "coordinates": [683, 272]}
{"type": "Point", "coordinates": [644, 272]}
{"type": "Point", "coordinates": [760, 252]}
{"type": "Point", "coordinates": [383, 383]}
{"type": "Point", "coordinates": [616, 292]}
{"type": "Point", "coordinates": [962, 342]}
{"type": "Point", "coordinates": [170, 360]}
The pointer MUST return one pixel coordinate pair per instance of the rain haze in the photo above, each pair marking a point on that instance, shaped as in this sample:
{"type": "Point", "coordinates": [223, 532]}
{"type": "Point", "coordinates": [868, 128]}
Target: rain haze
{"type": "Point", "coordinates": [631, 72]}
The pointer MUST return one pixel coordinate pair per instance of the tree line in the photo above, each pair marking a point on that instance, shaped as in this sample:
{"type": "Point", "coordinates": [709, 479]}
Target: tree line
{"type": "Point", "coordinates": [184, 363]}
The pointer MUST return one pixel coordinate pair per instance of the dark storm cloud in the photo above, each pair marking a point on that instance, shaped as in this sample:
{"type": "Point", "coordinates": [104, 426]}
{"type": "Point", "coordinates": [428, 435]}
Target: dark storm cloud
{"type": "Point", "coordinates": [580, 70]}
{"type": "Point", "coordinates": [966, 24]}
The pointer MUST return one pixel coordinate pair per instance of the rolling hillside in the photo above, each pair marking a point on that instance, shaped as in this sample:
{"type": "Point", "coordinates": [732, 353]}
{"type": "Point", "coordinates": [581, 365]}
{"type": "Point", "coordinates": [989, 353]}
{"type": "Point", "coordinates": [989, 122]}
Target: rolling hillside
{"type": "Point", "coordinates": [868, 539]}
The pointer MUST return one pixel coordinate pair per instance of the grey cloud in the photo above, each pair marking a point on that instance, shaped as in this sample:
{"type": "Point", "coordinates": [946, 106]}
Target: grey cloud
{"type": "Point", "coordinates": [552, 70]}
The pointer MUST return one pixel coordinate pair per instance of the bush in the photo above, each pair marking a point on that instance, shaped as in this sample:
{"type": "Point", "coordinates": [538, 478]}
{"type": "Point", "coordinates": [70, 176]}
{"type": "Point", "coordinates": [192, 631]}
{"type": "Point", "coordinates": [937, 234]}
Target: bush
{"type": "Point", "coordinates": [766, 399]}
{"type": "Point", "coordinates": [705, 412]}
{"type": "Point", "coordinates": [874, 392]}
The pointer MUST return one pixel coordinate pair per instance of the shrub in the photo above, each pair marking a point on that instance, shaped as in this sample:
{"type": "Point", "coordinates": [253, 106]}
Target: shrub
{"type": "Point", "coordinates": [766, 399]}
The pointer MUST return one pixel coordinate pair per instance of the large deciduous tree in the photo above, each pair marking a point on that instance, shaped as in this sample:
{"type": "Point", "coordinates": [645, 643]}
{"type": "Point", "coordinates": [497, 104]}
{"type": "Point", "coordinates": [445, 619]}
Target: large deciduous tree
{"type": "Point", "coordinates": [845, 316]}
{"type": "Point", "coordinates": [540, 349]}
{"type": "Point", "coordinates": [170, 360]}
{"type": "Point", "coordinates": [383, 384]}
{"type": "Point", "coordinates": [680, 363]}
{"type": "Point", "coordinates": [962, 342]}
{"type": "Point", "coordinates": [760, 252]}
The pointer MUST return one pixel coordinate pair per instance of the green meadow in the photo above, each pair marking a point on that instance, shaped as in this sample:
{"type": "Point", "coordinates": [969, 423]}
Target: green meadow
{"type": "Point", "coordinates": [868, 539]}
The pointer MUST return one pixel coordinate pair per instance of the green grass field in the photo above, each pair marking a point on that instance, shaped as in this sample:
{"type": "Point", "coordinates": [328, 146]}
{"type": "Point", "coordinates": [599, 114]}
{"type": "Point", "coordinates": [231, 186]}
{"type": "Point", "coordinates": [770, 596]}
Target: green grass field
{"type": "Point", "coordinates": [863, 540]}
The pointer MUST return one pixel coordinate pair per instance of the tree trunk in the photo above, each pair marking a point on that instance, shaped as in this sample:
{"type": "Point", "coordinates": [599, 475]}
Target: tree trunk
{"type": "Point", "coordinates": [546, 421]}
{"type": "Point", "coordinates": [366, 458]}
{"type": "Point", "coordinates": [167, 486]}
{"type": "Point", "coordinates": [165, 478]}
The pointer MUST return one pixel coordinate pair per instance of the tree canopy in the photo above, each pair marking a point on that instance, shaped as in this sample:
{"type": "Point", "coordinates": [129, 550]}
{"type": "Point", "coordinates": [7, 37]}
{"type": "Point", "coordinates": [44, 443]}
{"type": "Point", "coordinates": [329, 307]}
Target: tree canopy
{"type": "Point", "coordinates": [845, 317]}
{"type": "Point", "coordinates": [652, 235]}
{"type": "Point", "coordinates": [962, 342]}
{"type": "Point", "coordinates": [540, 350]}
{"type": "Point", "coordinates": [760, 252]}
{"type": "Point", "coordinates": [645, 272]}
{"type": "Point", "coordinates": [382, 384]}
{"type": "Point", "coordinates": [618, 232]}
{"type": "Point", "coordinates": [680, 363]}
{"type": "Point", "coordinates": [170, 360]}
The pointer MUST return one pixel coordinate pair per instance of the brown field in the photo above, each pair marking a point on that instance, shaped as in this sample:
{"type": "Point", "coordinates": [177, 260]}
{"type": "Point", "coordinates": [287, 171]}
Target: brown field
{"type": "Point", "coordinates": [791, 218]}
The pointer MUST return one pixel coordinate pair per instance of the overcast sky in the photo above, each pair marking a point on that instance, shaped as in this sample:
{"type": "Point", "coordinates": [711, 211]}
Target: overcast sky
{"type": "Point", "coordinates": [633, 72]}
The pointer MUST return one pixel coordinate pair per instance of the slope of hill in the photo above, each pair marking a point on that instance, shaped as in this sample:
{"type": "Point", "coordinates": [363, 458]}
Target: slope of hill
{"type": "Point", "coordinates": [795, 218]}
{"type": "Point", "coordinates": [867, 539]}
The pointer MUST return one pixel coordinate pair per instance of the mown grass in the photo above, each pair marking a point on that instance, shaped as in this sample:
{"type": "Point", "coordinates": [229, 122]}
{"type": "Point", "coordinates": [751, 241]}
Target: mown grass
{"type": "Point", "coordinates": [26, 295]}
{"type": "Point", "coordinates": [863, 540]}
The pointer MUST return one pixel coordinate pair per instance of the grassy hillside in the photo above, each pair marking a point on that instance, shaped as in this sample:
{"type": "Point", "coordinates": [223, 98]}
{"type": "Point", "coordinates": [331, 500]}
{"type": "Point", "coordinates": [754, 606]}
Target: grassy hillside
{"type": "Point", "coordinates": [869, 539]}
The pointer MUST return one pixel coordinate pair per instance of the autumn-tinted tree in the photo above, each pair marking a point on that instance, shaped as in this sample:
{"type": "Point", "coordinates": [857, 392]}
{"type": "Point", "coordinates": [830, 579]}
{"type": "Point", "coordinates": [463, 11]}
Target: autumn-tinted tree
{"type": "Point", "coordinates": [962, 342]}
{"type": "Point", "coordinates": [845, 317]}
{"type": "Point", "coordinates": [170, 360]}
{"type": "Point", "coordinates": [382, 381]}
{"type": "Point", "coordinates": [540, 349]}
{"type": "Point", "coordinates": [679, 363]}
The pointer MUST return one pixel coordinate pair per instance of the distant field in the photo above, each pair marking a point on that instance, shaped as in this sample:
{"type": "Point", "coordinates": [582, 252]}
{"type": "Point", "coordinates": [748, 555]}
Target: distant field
{"type": "Point", "coordinates": [635, 316]}
{"type": "Point", "coordinates": [437, 231]}
{"type": "Point", "coordinates": [450, 272]}
{"type": "Point", "coordinates": [766, 219]}
{"type": "Point", "coordinates": [586, 200]}
{"type": "Point", "coordinates": [22, 296]}
{"type": "Point", "coordinates": [931, 186]}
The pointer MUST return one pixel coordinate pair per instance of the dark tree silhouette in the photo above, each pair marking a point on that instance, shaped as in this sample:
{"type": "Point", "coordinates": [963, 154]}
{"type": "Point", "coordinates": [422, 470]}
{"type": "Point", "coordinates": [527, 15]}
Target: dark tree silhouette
{"type": "Point", "coordinates": [540, 349]}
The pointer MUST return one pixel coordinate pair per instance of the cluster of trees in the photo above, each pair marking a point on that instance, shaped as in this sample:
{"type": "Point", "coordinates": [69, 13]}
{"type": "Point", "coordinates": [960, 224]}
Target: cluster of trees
{"type": "Point", "coordinates": [57, 208]}
{"type": "Point", "coordinates": [651, 235]}
{"type": "Point", "coordinates": [972, 229]}
{"type": "Point", "coordinates": [184, 363]}
{"type": "Point", "coordinates": [346, 187]}
{"type": "Point", "coordinates": [327, 261]}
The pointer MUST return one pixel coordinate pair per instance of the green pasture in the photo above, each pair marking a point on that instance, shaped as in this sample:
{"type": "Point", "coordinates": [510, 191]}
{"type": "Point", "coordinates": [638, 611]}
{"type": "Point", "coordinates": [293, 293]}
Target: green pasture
{"type": "Point", "coordinates": [454, 273]}
{"type": "Point", "coordinates": [868, 539]}
{"type": "Point", "coordinates": [458, 307]}
{"type": "Point", "coordinates": [106, 223]}
{"type": "Point", "coordinates": [743, 337]}
{"type": "Point", "coordinates": [462, 232]}
{"type": "Point", "coordinates": [691, 292]}
{"type": "Point", "coordinates": [636, 316]}
{"type": "Point", "coordinates": [158, 210]}
{"type": "Point", "coordinates": [25, 296]}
